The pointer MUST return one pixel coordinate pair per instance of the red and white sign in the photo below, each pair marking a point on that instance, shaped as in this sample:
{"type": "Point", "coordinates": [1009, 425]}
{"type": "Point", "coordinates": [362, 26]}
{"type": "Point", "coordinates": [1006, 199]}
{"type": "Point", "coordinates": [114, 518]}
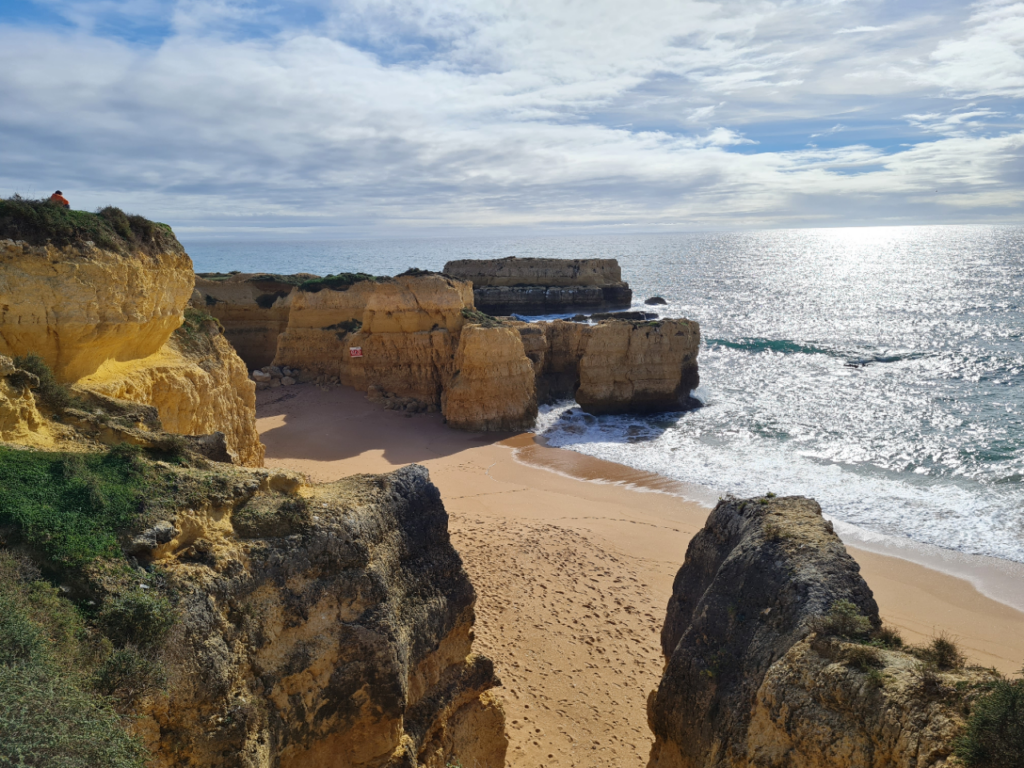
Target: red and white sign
{"type": "Point", "coordinates": [355, 351]}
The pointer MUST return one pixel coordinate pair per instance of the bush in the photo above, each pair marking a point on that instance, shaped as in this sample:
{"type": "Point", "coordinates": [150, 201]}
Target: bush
{"type": "Point", "coordinates": [50, 391]}
{"type": "Point", "coordinates": [863, 657]}
{"type": "Point", "coordinates": [945, 653]}
{"type": "Point", "coordinates": [48, 720]}
{"type": "Point", "coordinates": [128, 673]}
{"type": "Point", "coordinates": [70, 506]}
{"type": "Point", "coordinates": [887, 636]}
{"type": "Point", "coordinates": [340, 282]}
{"type": "Point", "coordinates": [995, 729]}
{"type": "Point", "coordinates": [39, 222]}
{"type": "Point", "coordinates": [844, 619]}
{"type": "Point", "coordinates": [481, 318]}
{"type": "Point", "coordinates": [137, 618]}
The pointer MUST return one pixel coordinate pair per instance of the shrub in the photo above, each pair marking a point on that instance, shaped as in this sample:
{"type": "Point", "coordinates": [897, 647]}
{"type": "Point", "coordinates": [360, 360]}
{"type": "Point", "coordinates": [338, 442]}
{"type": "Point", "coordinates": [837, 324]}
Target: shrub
{"type": "Point", "coordinates": [481, 318]}
{"type": "Point", "coordinates": [863, 657]}
{"type": "Point", "coordinates": [340, 282]}
{"type": "Point", "coordinates": [844, 619]}
{"type": "Point", "coordinates": [887, 636]}
{"type": "Point", "coordinates": [994, 737]}
{"type": "Point", "coordinates": [128, 673]}
{"type": "Point", "coordinates": [945, 653]}
{"type": "Point", "coordinates": [39, 222]}
{"type": "Point", "coordinates": [70, 507]}
{"type": "Point", "coordinates": [50, 391]}
{"type": "Point", "coordinates": [139, 618]}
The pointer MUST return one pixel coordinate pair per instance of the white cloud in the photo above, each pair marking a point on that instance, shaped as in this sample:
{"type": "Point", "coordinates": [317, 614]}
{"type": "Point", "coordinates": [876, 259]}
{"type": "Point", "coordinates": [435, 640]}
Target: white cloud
{"type": "Point", "coordinates": [382, 115]}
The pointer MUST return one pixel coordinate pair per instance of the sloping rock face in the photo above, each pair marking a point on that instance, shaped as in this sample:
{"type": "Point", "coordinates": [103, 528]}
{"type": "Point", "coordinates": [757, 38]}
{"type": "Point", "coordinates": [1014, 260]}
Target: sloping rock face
{"type": "Point", "coordinates": [748, 683]}
{"type": "Point", "coordinates": [616, 366]}
{"type": "Point", "coordinates": [79, 307]}
{"type": "Point", "coordinates": [20, 420]}
{"type": "Point", "coordinates": [493, 385]}
{"type": "Point", "coordinates": [542, 286]}
{"type": "Point", "coordinates": [197, 384]}
{"type": "Point", "coordinates": [253, 309]}
{"type": "Point", "coordinates": [331, 629]}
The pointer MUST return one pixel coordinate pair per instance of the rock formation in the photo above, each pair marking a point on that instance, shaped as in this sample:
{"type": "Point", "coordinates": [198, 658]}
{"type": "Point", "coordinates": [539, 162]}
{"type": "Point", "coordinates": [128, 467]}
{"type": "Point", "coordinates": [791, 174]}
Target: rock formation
{"type": "Point", "coordinates": [112, 321]}
{"type": "Point", "coordinates": [80, 307]}
{"type": "Point", "coordinates": [253, 309]}
{"type": "Point", "coordinates": [754, 678]}
{"type": "Point", "coordinates": [616, 366]}
{"type": "Point", "coordinates": [20, 420]}
{"type": "Point", "coordinates": [542, 286]}
{"type": "Point", "coordinates": [323, 627]}
{"type": "Point", "coordinates": [197, 384]}
{"type": "Point", "coordinates": [493, 385]}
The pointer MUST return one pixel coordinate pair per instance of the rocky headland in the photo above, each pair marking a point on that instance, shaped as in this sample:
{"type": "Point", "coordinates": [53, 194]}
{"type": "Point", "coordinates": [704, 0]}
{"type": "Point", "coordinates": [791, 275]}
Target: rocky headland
{"type": "Point", "coordinates": [417, 341]}
{"type": "Point", "coordinates": [531, 286]}
{"type": "Point", "coordinates": [776, 656]}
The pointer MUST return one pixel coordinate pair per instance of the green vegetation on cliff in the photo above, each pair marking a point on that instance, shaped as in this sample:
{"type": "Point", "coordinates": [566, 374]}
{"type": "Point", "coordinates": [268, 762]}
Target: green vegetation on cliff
{"type": "Point", "coordinates": [50, 713]}
{"type": "Point", "coordinates": [39, 222]}
{"type": "Point", "coordinates": [340, 282]}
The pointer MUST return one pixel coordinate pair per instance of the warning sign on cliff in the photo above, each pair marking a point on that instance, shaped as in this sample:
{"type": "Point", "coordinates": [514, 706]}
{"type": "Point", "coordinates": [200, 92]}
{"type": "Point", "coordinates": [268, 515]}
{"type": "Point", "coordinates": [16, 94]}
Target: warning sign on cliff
{"type": "Point", "coordinates": [355, 351]}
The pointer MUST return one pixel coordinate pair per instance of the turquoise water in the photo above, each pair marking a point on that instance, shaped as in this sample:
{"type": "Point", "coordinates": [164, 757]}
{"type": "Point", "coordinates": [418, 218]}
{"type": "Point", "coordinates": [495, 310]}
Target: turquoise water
{"type": "Point", "coordinates": [880, 371]}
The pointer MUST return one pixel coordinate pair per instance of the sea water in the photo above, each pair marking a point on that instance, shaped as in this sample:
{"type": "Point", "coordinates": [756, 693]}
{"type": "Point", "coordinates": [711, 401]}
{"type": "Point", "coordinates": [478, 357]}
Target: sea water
{"type": "Point", "coordinates": [880, 370]}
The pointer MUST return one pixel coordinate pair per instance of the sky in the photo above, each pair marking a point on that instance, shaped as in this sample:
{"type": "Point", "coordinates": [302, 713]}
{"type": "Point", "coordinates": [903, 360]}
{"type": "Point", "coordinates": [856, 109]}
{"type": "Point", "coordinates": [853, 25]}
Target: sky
{"type": "Point", "coordinates": [380, 118]}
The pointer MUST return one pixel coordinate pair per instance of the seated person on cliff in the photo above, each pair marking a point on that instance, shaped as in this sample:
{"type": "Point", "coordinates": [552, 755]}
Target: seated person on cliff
{"type": "Point", "coordinates": [57, 197]}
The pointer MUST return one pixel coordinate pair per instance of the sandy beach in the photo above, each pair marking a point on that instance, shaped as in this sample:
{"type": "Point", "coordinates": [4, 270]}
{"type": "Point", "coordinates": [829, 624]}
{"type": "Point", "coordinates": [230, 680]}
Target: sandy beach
{"type": "Point", "coordinates": [573, 560]}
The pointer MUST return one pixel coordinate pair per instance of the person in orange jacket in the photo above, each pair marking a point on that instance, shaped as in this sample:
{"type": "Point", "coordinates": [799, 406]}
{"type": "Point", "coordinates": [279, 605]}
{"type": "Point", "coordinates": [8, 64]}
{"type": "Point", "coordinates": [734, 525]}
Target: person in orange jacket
{"type": "Point", "coordinates": [57, 197]}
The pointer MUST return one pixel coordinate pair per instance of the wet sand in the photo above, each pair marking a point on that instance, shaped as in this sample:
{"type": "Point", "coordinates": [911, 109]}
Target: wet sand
{"type": "Point", "coordinates": [573, 560]}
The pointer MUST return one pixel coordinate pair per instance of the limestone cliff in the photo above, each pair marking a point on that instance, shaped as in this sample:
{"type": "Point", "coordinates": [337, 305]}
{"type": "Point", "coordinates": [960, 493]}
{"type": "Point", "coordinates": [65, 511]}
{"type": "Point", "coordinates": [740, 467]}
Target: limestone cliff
{"type": "Point", "coordinates": [616, 366]}
{"type": "Point", "coordinates": [331, 628]}
{"type": "Point", "coordinates": [753, 675]}
{"type": "Point", "coordinates": [406, 328]}
{"type": "Point", "coordinates": [20, 420]}
{"type": "Point", "coordinates": [197, 384]}
{"type": "Point", "coordinates": [492, 387]}
{"type": "Point", "coordinates": [639, 367]}
{"type": "Point", "coordinates": [113, 320]}
{"type": "Point", "coordinates": [252, 308]}
{"type": "Point", "coordinates": [77, 307]}
{"type": "Point", "coordinates": [542, 286]}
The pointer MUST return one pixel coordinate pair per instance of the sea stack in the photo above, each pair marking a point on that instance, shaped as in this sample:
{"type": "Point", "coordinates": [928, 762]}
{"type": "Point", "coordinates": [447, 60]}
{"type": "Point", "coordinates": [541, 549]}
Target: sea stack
{"type": "Point", "coordinates": [543, 286]}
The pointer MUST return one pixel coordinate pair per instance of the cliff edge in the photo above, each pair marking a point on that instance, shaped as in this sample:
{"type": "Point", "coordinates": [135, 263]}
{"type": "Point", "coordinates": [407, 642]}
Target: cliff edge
{"type": "Point", "coordinates": [774, 656]}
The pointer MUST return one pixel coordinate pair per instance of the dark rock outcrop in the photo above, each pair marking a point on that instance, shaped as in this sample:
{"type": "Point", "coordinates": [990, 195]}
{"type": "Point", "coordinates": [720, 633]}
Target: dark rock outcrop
{"type": "Point", "coordinates": [329, 628]}
{"type": "Point", "coordinates": [543, 286]}
{"type": "Point", "coordinates": [655, 301]}
{"type": "Point", "coordinates": [752, 677]}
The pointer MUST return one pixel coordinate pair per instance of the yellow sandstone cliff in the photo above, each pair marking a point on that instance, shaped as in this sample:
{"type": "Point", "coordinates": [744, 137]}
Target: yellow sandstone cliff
{"type": "Point", "coordinates": [80, 307]}
{"type": "Point", "coordinates": [492, 387]}
{"type": "Point", "coordinates": [20, 420]}
{"type": "Point", "coordinates": [112, 322]}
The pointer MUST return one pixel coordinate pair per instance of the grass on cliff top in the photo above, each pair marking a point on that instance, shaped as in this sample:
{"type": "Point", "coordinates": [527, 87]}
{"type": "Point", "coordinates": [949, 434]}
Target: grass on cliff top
{"type": "Point", "coordinates": [39, 222]}
{"type": "Point", "coordinates": [51, 712]}
{"type": "Point", "coordinates": [193, 333]}
{"type": "Point", "coordinates": [340, 282]}
{"type": "Point", "coordinates": [71, 506]}
{"type": "Point", "coordinates": [481, 318]}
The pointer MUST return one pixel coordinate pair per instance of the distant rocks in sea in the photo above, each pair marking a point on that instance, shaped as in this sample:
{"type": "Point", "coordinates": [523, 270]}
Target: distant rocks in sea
{"type": "Point", "coordinates": [655, 301]}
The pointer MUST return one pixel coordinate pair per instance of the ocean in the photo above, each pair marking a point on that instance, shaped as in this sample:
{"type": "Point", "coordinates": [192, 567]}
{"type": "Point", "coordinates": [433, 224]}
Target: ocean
{"type": "Point", "coordinates": [877, 370]}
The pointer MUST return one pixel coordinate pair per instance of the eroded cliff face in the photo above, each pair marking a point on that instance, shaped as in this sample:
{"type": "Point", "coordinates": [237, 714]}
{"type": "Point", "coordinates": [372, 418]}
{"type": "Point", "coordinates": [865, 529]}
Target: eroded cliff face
{"type": "Point", "coordinates": [80, 307]}
{"type": "Point", "coordinates": [197, 384]}
{"type": "Point", "coordinates": [616, 366]}
{"type": "Point", "coordinates": [323, 627]}
{"type": "Point", "coordinates": [540, 286]}
{"type": "Point", "coordinates": [493, 385]}
{"type": "Point", "coordinates": [115, 323]}
{"type": "Point", "coordinates": [406, 328]}
{"type": "Point", "coordinates": [20, 420]}
{"type": "Point", "coordinates": [253, 309]}
{"type": "Point", "coordinates": [752, 680]}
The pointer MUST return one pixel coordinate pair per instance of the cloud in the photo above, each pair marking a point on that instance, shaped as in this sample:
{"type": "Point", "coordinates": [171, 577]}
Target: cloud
{"type": "Point", "coordinates": [359, 117]}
